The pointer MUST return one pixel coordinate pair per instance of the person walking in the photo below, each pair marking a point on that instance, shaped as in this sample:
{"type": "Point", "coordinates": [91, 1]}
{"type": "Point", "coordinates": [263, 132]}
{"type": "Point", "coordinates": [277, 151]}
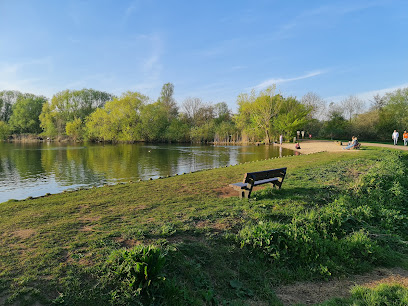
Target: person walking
{"type": "Point", "coordinates": [395, 136]}
{"type": "Point", "coordinates": [281, 139]}
{"type": "Point", "coordinates": [405, 138]}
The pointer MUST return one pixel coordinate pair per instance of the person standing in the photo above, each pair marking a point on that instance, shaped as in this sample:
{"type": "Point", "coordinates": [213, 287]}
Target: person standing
{"type": "Point", "coordinates": [281, 139]}
{"type": "Point", "coordinates": [405, 138]}
{"type": "Point", "coordinates": [395, 136]}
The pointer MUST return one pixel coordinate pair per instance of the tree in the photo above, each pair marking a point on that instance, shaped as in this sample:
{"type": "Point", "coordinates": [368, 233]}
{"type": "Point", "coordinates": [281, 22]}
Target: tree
{"type": "Point", "coordinates": [352, 106]}
{"type": "Point", "coordinates": [118, 120]}
{"type": "Point", "coordinates": [221, 112]}
{"type": "Point", "coordinates": [166, 98]}
{"type": "Point", "coordinates": [154, 121]}
{"type": "Point", "coordinates": [7, 99]}
{"type": "Point", "coordinates": [69, 105]}
{"type": "Point", "coordinates": [292, 116]}
{"type": "Point", "coordinates": [4, 130]}
{"type": "Point", "coordinates": [262, 110]}
{"type": "Point", "coordinates": [337, 126]}
{"type": "Point", "coordinates": [74, 129]}
{"type": "Point", "coordinates": [190, 108]}
{"type": "Point", "coordinates": [26, 112]}
{"type": "Point", "coordinates": [316, 104]}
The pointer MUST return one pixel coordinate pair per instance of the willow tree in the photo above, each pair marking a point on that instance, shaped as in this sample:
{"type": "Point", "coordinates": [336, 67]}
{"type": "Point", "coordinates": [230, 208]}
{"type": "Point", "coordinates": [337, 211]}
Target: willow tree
{"type": "Point", "coordinates": [257, 111]}
{"type": "Point", "coordinates": [118, 120]}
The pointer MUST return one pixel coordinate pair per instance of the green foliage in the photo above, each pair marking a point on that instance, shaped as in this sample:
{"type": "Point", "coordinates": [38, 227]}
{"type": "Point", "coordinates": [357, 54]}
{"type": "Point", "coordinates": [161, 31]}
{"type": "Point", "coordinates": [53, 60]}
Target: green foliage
{"type": "Point", "coordinates": [135, 273]}
{"type": "Point", "coordinates": [26, 112]}
{"type": "Point", "coordinates": [383, 294]}
{"type": "Point", "coordinates": [5, 130]}
{"type": "Point", "coordinates": [337, 127]}
{"type": "Point", "coordinates": [118, 120]}
{"type": "Point", "coordinates": [154, 121]}
{"type": "Point", "coordinates": [339, 235]}
{"type": "Point", "coordinates": [69, 105]}
{"type": "Point", "coordinates": [75, 129]}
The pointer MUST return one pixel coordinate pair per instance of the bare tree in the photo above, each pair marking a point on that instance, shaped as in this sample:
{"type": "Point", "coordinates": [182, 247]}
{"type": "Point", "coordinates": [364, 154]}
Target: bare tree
{"type": "Point", "coordinates": [317, 104]}
{"type": "Point", "coordinates": [191, 107]}
{"type": "Point", "coordinates": [377, 102]}
{"type": "Point", "coordinates": [352, 106]}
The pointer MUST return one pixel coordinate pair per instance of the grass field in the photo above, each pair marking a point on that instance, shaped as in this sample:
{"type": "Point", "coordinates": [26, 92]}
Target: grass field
{"type": "Point", "coordinates": [196, 243]}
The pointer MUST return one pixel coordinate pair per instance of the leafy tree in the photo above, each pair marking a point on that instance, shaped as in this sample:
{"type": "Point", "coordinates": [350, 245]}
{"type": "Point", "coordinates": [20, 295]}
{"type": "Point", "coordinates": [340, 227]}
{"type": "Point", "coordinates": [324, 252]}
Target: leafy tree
{"type": "Point", "coordinates": [118, 120]}
{"type": "Point", "coordinates": [26, 112]}
{"type": "Point", "coordinates": [292, 116]}
{"type": "Point", "coordinates": [394, 113]}
{"type": "Point", "coordinates": [365, 125]}
{"type": "Point", "coordinates": [74, 129]}
{"type": "Point", "coordinates": [178, 131]}
{"type": "Point", "coordinates": [4, 130]}
{"type": "Point", "coordinates": [154, 121]}
{"type": "Point", "coordinates": [225, 131]}
{"type": "Point", "coordinates": [203, 133]}
{"type": "Point", "coordinates": [68, 105]}
{"type": "Point", "coordinates": [221, 112]}
{"type": "Point", "coordinates": [262, 110]}
{"type": "Point", "coordinates": [337, 126]}
{"type": "Point", "coordinates": [166, 98]}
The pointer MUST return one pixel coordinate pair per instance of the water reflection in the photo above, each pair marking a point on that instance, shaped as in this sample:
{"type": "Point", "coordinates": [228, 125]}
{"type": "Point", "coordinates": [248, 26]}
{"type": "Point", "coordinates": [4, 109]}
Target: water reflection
{"type": "Point", "coordinates": [40, 168]}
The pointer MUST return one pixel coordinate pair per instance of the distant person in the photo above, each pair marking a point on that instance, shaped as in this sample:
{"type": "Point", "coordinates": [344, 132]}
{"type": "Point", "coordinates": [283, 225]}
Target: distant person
{"type": "Point", "coordinates": [298, 134]}
{"type": "Point", "coordinates": [405, 138]}
{"type": "Point", "coordinates": [351, 143]}
{"type": "Point", "coordinates": [310, 136]}
{"type": "Point", "coordinates": [297, 146]}
{"type": "Point", "coordinates": [303, 134]}
{"type": "Point", "coordinates": [395, 136]}
{"type": "Point", "coordinates": [281, 139]}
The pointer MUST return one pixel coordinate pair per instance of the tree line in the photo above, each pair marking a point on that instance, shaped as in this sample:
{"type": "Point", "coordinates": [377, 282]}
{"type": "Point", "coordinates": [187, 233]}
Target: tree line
{"type": "Point", "coordinates": [262, 116]}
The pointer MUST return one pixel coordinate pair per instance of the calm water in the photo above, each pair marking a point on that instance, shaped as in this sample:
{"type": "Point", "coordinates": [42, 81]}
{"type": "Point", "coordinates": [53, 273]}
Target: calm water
{"type": "Point", "coordinates": [40, 168]}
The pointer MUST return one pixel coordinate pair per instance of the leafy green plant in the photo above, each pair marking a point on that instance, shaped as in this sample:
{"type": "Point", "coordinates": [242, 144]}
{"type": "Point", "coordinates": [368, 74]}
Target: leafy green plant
{"type": "Point", "coordinates": [135, 273]}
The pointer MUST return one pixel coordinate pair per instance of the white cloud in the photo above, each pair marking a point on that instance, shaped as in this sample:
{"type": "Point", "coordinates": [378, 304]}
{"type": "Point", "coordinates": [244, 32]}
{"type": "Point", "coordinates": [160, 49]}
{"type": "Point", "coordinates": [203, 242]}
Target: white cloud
{"type": "Point", "coordinates": [367, 95]}
{"type": "Point", "coordinates": [270, 82]}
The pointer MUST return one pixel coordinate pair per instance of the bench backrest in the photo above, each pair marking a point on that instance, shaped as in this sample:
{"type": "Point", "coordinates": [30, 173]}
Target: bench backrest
{"type": "Point", "coordinates": [252, 177]}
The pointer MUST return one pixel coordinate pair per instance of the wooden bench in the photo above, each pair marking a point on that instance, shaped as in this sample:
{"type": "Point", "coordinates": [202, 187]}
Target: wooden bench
{"type": "Point", "coordinates": [252, 179]}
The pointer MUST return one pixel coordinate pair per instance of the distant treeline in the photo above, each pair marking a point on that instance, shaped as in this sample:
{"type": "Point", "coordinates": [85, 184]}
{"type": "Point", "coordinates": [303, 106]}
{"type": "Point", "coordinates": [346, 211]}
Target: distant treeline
{"type": "Point", "coordinates": [93, 115]}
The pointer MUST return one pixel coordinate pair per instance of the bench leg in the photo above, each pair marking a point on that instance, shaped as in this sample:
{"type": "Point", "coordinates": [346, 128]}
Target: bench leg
{"type": "Point", "coordinates": [245, 194]}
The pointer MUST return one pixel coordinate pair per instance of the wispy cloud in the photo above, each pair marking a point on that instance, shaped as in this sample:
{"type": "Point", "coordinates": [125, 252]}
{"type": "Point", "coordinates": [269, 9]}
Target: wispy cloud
{"type": "Point", "coordinates": [270, 82]}
{"type": "Point", "coordinates": [21, 76]}
{"type": "Point", "coordinates": [367, 95]}
{"type": "Point", "coordinates": [322, 14]}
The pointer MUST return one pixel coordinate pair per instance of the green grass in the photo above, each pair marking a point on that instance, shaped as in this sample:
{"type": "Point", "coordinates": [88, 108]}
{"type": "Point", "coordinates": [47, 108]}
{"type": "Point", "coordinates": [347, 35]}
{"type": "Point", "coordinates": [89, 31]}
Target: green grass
{"type": "Point", "coordinates": [218, 250]}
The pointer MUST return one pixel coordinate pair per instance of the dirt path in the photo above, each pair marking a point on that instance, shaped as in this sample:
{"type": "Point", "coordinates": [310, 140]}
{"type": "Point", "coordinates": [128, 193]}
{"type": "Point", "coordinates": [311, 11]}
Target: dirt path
{"type": "Point", "coordinates": [314, 146]}
{"type": "Point", "coordinates": [309, 293]}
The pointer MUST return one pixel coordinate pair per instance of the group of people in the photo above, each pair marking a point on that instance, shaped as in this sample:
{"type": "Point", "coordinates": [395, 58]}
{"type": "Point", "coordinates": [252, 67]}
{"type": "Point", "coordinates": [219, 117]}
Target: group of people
{"type": "Point", "coordinates": [395, 137]}
{"type": "Point", "coordinates": [352, 144]}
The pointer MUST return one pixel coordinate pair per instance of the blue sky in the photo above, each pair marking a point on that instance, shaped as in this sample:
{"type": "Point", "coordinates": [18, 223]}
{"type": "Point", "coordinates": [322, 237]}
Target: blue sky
{"type": "Point", "coordinates": [213, 50]}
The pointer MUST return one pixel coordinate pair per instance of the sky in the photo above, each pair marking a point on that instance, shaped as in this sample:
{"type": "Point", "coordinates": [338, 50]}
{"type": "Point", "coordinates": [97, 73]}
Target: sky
{"type": "Point", "coordinates": [213, 49]}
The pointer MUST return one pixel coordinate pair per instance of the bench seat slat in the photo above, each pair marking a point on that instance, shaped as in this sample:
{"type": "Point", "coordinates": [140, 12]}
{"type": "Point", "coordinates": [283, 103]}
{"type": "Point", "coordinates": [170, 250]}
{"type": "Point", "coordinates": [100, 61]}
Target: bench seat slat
{"type": "Point", "coordinates": [256, 183]}
{"type": "Point", "coordinates": [239, 185]}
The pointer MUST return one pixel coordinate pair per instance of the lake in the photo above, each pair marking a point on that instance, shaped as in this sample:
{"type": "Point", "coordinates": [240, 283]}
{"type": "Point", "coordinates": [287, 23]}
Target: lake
{"type": "Point", "coordinates": [34, 169]}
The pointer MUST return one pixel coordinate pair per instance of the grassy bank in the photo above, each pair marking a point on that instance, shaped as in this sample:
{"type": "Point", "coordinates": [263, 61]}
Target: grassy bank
{"type": "Point", "coordinates": [337, 214]}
